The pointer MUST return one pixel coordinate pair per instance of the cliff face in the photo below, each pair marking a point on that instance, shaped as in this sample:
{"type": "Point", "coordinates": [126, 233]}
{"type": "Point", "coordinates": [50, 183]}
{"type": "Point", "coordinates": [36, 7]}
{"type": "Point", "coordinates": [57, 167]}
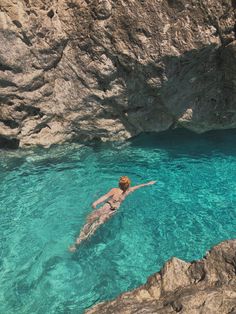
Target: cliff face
{"type": "Point", "coordinates": [103, 69]}
{"type": "Point", "coordinates": [206, 286]}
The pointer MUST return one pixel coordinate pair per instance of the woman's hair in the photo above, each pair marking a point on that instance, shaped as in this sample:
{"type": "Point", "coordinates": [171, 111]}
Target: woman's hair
{"type": "Point", "coordinates": [124, 183]}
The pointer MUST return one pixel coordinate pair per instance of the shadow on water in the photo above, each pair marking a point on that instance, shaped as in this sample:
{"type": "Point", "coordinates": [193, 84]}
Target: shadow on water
{"type": "Point", "coordinates": [177, 143]}
{"type": "Point", "coordinates": [185, 142]}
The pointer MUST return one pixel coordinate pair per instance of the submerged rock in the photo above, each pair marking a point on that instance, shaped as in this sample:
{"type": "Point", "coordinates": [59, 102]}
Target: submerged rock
{"type": "Point", "coordinates": [108, 70]}
{"type": "Point", "coordinates": [204, 286]}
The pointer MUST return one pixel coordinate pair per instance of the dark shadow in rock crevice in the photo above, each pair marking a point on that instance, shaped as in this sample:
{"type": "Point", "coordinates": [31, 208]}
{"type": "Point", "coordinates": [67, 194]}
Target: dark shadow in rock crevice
{"type": "Point", "coordinates": [30, 110]}
{"type": "Point", "coordinates": [9, 143]}
{"type": "Point", "coordinates": [195, 80]}
{"type": "Point", "coordinates": [10, 123]}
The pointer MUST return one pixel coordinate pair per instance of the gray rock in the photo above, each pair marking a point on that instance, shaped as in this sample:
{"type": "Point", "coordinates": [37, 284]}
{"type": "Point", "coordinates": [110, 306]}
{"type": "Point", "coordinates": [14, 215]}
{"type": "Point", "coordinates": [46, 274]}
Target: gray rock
{"type": "Point", "coordinates": [82, 70]}
{"type": "Point", "coordinates": [203, 286]}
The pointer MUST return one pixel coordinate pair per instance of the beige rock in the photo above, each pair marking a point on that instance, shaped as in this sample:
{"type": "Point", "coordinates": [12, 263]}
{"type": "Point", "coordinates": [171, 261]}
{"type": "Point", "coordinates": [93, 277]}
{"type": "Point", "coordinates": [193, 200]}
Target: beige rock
{"type": "Point", "coordinates": [172, 269]}
{"type": "Point", "coordinates": [204, 286]}
{"type": "Point", "coordinates": [110, 70]}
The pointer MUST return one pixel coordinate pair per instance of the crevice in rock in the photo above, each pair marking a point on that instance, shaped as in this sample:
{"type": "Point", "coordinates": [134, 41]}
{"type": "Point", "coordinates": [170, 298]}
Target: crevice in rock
{"type": "Point", "coordinates": [58, 50]}
{"type": "Point", "coordinates": [35, 84]}
{"type": "Point", "coordinates": [197, 271]}
{"type": "Point", "coordinates": [232, 311]}
{"type": "Point", "coordinates": [8, 99]}
{"type": "Point", "coordinates": [40, 34]}
{"type": "Point", "coordinates": [41, 126]}
{"type": "Point", "coordinates": [25, 39]}
{"type": "Point", "coordinates": [27, 3]}
{"type": "Point", "coordinates": [9, 143]}
{"type": "Point", "coordinates": [50, 13]}
{"type": "Point", "coordinates": [32, 111]}
{"type": "Point", "coordinates": [79, 78]}
{"type": "Point", "coordinates": [176, 4]}
{"type": "Point", "coordinates": [6, 83]}
{"type": "Point", "coordinates": [176, 305]}
{"type": "Point", "coordinates": [17, 23]}
{"type": "Point", "coordinates": [4, 67]}
{"type": "Point", "coordinates": [10, 123]}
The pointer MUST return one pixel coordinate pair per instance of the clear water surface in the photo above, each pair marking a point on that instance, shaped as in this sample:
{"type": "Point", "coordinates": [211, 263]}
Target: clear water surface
{"type": "Point", "coordinates": [45, 196]}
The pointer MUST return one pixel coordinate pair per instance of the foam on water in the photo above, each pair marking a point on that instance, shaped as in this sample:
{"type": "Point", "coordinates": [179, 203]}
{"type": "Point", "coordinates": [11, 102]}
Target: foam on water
{"type": "Point", "coordinates": [46, 195]}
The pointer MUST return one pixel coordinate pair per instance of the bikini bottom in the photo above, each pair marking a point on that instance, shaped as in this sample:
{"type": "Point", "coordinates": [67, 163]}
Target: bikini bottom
{"type": "Point", "coordinates": [112, 208]}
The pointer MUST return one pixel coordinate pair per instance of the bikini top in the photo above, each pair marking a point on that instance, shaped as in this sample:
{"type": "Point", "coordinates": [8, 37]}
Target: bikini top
{"type": "Point", "coordinates": [119, 199]}
{"type": "Point", "coordinates": [116, 201]}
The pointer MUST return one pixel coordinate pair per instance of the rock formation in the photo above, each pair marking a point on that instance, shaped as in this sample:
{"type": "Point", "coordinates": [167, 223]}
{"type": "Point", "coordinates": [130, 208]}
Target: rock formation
{"type": "Point", "coordinates": [207, 286]}
{"type": "Point", "coordinates": [107, 70]}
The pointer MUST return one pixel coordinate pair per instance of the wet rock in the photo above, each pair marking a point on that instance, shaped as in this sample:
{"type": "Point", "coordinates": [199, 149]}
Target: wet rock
{"type": "Point", "coordinates": [111, 69]}
{"type": "Point", "coordinates": [203, 286]}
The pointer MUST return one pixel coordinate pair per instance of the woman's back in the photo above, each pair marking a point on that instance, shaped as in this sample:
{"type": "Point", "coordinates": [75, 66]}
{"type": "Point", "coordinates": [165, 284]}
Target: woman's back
{"type": "Point", "coordinates": [118, 196]}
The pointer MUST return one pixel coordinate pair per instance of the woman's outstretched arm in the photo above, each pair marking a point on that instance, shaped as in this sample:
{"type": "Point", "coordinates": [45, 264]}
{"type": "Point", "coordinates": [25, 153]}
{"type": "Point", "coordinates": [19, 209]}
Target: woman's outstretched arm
{"type": "Point", "coordinates": [134, 188]}
{"type": "Point", "coordinates": [103, 198]}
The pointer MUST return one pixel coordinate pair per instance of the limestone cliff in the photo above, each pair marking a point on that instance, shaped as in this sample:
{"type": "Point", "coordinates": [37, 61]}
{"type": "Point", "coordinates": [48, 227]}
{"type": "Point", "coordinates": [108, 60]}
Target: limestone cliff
{"type": "Point", "coordinates": [207, 286]}
{"type": "Point", "coordinates": [103, 69]}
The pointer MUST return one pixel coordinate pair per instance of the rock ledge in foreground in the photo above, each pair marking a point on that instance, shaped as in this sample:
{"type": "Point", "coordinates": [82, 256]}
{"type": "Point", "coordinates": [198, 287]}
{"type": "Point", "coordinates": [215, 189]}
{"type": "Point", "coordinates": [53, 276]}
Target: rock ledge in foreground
{"type": "Point", "coordinates": [204, 286]}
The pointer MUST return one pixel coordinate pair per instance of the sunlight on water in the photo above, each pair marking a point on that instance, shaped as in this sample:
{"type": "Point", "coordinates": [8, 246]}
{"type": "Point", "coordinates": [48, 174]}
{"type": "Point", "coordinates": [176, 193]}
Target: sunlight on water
{"type": "Point", "coordinates": [45, 196]}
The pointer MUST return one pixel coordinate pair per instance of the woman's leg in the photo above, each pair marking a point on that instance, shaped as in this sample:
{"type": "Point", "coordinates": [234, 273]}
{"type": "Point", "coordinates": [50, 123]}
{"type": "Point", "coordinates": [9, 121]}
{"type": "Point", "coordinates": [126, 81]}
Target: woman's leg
{"type": "Point", "coordinates": [92, 228]}
{"type": "Point", "coordinates": [93, 221]}
{"type": "Point", "coordinates": [89, 221]}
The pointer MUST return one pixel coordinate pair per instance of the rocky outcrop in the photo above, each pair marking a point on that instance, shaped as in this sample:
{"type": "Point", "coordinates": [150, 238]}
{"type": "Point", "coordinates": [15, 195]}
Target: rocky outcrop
{"type": "Point", "coordinates": [207, 286]}
{"type": "Point", "coordinates": [108, 70]}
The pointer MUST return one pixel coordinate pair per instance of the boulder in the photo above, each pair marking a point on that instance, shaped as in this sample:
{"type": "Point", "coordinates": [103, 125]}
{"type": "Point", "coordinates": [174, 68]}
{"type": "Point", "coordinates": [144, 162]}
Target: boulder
{"type": "Point", "coordinates": [108, 70]}
{"type": "Point", "coordinates": [204, 286]}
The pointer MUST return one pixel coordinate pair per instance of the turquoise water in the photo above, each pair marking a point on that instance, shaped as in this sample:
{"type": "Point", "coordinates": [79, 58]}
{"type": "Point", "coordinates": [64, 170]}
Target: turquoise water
{"type": "Point", "coordinates": [45, 196]}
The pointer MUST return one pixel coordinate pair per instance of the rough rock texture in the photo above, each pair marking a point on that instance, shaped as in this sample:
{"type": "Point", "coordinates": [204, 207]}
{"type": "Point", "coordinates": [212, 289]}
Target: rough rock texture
{"type": "Point", "coordinates": [207, 286]}
{"type": "Point", "coordinates": [103, 69]}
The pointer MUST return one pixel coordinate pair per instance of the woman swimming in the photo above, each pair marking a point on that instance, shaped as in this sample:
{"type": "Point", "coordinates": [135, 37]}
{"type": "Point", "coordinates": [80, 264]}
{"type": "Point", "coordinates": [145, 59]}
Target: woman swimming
{"type": "Point", "coordinates": [113, 199]}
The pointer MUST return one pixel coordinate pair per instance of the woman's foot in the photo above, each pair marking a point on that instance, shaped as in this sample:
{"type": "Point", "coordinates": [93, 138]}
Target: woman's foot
{"type": "Point", "coordinates": [72, 248]}
{"type": "Point", "coordinates": [79, 240]}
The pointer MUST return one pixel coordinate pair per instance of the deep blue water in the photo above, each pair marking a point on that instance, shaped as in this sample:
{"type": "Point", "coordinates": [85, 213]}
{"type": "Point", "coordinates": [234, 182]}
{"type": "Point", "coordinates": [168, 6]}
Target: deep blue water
{"type": "Point", "coordinates": [45, 196]}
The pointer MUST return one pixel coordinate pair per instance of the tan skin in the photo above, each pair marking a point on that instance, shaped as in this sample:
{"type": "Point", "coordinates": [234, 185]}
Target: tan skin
{"type": "Point", "coordinates": [115, 197]}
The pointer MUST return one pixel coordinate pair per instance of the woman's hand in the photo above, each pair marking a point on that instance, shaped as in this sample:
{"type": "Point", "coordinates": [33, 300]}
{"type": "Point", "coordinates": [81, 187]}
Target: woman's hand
{"type": "Point", "coordinates": [151, 182]}
{"type": "Point", "coordinates": [94, 206]}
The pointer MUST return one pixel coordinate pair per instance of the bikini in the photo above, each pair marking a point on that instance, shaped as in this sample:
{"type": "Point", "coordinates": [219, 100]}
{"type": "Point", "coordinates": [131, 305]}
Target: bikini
{"type": "Point", "coordinates": [112, 208]}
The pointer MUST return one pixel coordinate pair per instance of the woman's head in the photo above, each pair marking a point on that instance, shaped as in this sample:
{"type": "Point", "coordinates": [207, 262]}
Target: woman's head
{"type": "Point", "coordinates": [124, 183]}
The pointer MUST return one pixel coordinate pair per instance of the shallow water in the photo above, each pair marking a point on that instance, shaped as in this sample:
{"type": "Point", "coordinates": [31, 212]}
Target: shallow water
{"type": "Point", "coordinates": [45, 196]}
